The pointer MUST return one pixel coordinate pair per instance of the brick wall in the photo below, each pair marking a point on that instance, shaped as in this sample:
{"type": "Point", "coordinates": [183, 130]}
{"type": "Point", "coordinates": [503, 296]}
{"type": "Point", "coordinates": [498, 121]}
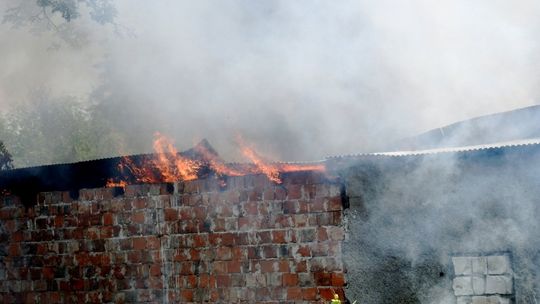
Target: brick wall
{"type": "Point", "coordinates": [248, 240]}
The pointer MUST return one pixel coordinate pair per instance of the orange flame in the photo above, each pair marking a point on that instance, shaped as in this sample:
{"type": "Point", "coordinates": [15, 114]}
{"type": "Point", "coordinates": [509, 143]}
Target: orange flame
{"type": "Point", "coordinates": [111, 183]}
{"type": "Point", "coordinates": [217, 164]}
{"type": "Point", "coordinates": [271, 171]}
{"type": "Point", "coordinates": [170, 166]}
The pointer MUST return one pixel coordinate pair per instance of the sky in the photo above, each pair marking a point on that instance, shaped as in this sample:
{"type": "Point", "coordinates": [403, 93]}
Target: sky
{"type": "Point", "coordinates": [301, 80]}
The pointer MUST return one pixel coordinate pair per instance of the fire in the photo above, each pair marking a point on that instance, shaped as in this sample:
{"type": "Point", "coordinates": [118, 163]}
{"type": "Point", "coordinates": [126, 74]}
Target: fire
{"type": "Point", "coordinates": [111, 183]}
{"type": "Point", "coordinates": [168, 165]}
{"type": "Point", "coordinates": [172, 166]}
{"type": "Point", "coordinates": [271, 171]}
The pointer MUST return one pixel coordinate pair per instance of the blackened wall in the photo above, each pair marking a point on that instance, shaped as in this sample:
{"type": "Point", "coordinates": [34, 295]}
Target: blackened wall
{"type": "Point", "coordinates": [410, 214]}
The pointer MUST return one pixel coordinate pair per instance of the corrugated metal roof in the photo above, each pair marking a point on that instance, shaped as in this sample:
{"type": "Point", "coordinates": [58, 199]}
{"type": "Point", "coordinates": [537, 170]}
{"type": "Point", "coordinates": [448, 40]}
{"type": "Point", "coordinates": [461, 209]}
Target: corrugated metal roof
{"type": "Point", "coordinates": [499, 145]}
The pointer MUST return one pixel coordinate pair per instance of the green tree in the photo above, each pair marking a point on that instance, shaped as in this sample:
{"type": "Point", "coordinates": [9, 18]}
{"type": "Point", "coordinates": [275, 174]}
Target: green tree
{"type": "Point", "coordinates": [58, 16]}
{"type": "Point", "coordinates": [49, 130]}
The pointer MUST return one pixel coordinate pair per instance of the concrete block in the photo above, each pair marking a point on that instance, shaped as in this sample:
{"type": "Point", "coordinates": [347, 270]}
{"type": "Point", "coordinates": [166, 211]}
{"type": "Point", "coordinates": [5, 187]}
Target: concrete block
{"type": "Point", "coordinates": [499, 264]}
{"type": "Point", "coordinates": [479, 285]}
{"type": "Point", "coordinates": [480, 300]}
{"type": "Point", "coordinates": [462, 265]}
{"type": "Point", "coordinates": [464, 300]}
{"type": "Point", "coordinates": [498, 300]}
{"type": "Point", "coordinates": [499, 284]}
{"type": "Point", "coordinates": [479, 265]}
{"type": "Point", "coordinates": [489, 300]}
{"type": "Point", "coordinates": [462, 286]}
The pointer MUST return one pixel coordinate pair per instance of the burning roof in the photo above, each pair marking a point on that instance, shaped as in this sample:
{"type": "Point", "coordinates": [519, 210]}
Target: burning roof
{"type": "Point", "coordinates": [166, 165]}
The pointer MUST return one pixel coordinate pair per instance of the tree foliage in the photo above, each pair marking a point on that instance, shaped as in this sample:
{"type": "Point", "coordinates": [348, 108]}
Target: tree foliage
{"type": "Point", "coordinates": [57, 16]}
{"type": "Point", "coordinates": [50, 130]}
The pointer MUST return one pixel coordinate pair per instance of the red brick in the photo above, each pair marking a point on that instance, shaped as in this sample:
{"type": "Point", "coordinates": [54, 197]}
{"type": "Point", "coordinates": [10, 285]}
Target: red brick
{"type": "Point", "coordinates": [290, 279]}
{"type": "Point", "coordinates": [326, 293]}
{"type": "Point", "coordinates": [243, 223]}
{"type": "Point", "coordinates": [14, 250]}
{"type": "Point", "coordinates": [187, 295]}
{"type": "Point", "coordinates": [139, 243]}
{"type": "Point", "coordinates": [220, 267]}
{"type": "Point", "coordinates": [338, 279]}
{"type": "Point", "coordinates": [269, 251]}
{"type": "Point", "coordinates": [223, 281]}
{"type": "Point", "coordinates": [17, 236]}
{"type": "Point", "coordinates": [283, 266]}
{"type": "Point", "coordinates": [48, 273]}
{"type": "Point", "coordinates": [334, 204]}
{"type": "Point", "coordinates": [200, 212]}
{"type": "Point", "coordinates": [204, 281]}
{"type": "Point", "coordinates": [321, 234]}
{"type": "Point", "coordinates": [294, 293]}
{"type": "Point", "coordinates": [239, 253]}
{"type": "Point", "coordinates": [191, 281]}
{"type": "Point", "coordinates": [134, 256]}
{"type": "Point", "coordinates": [223, 253]}
{"type": "Point", "coordinates": [155, 270]}
{"type": "Point", "coordinates": [77, 284]}
{"type": "Point", "coordinates": [200, 240]}
{"type": "Point", "coordinates": [319, 249]}
{"type": "Point", "coordinates": [255, 195]}
{"type": "Point", "coordinates": [170, 214]}
{"type": "Point", "coordinates": [254, 253]}
{"type": "Point", "coordinates": [278, 236]}
{"type": "Point", "coordinates": [317, 205]}
{"type": "Point", "coordinates": [185, 214]}
{"type": "Point", "coordinates": [58, 221]}
{"type": "Point", "coordinates": [301, 266]}
{"type": "Point", "coordinates": [138, 217]}
{"type": "Point", "coordinates": [153, 242]}
{"type": "Point", "coordinates": [268, 195]}
{"type": "Point", "coordinates": [290, 207]}
{"type": "Point", "coordinates": [304, 251]}
{"type": "Point", "coordinates": [294, 192]}
{"type": "Point", "coordinates": [108, 219]}
{"type": "Point", "coordinates": [227, 239]}
{"type": "Point", "coordinates": [309, 293]}
{"type": "Point", "coordinates": [251, 208]}
{"type": "Point", "coordinates": [219, 225]}
{"type": "Point", "coordinates": [265, 237]}
{"type": "Point", "coordinates": [234, 266]}
{"type": "Point", "coordinates": [267, 265]}
{"type": "Point", "coordinates": [323, 278]}
{"type": "Point", "coordinates": [139, 203]}
{"type": "Point", "coordinates": [280, 193]}
{"type": "Point", "coordinates": [194, 255]}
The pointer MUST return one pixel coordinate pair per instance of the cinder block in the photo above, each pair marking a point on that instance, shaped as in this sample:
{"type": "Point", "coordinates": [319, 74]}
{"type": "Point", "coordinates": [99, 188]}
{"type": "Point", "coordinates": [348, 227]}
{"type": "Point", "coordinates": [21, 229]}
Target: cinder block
{"type": "Point", "coordinates": [480, 300]}
{"type": "Point", "coordinates": [462, 265]}
{"type": "Point", "coordinates": [464, 300]}
{"type": "Point", "coordinates": [479, 265]}
{"type": "Point", "coordinates": [498, 300]}
{"type": "Point", "coordinates": [499, 284]}
{"type": "Point", "coordinates": [462, 286]}
{"type": "Point", "coordinates": [499, 264]}
{"type": "Point", "coordinates": [479, 285]}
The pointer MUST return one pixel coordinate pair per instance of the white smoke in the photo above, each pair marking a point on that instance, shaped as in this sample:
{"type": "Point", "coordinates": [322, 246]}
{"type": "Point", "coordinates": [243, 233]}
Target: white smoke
{"type": "Point", "coordinates": [302, 80]}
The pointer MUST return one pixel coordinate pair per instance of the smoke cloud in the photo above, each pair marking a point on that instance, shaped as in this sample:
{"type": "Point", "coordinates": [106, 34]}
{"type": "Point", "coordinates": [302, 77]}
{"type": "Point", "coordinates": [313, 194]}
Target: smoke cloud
{"type": "Point", "coordinates": [410, 215]}
{"type": "Point", "coordinates": [301, 80]}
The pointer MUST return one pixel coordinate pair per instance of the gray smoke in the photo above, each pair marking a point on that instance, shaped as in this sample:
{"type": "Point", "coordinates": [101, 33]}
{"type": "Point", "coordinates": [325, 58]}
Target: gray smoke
{"type": "Point", "coordinates": [410, 215]}
{"type": "Point", "coordinates": [301, 80]}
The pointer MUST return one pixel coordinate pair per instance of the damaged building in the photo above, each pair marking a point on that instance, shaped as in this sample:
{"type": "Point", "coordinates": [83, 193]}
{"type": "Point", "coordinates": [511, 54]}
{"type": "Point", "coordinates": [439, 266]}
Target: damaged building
{"type": "Point", "coordinates": [443, 226]}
